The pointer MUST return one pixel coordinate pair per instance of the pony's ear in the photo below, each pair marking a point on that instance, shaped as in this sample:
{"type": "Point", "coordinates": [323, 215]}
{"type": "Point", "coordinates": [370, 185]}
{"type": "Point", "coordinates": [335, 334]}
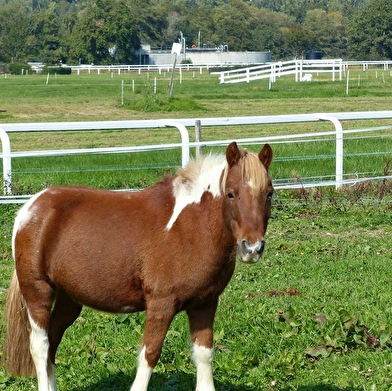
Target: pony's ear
{"type": "Point", "coordinates": [265, 156]}
{"type": "Point", "coordinates": [233, 154]}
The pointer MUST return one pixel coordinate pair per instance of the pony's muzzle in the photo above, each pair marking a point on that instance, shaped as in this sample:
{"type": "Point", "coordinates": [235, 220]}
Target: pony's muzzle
{"type": "Point", "coordinates": [250, 253]}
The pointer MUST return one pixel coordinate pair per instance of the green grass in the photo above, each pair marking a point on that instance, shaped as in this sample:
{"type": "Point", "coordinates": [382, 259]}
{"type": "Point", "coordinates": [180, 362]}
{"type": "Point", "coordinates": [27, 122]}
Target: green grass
{"type": "Point", "coordinates": [296, 320]}
{"type": "Point", "coordinates": [98, 97]}
{"type": "Point", "coordinates": [313, 315]}
{"type": "Point", "coordinates": [115, 171]}
{"type": "Point", "coordinates": [83, 97]}
{"type": "Point", "coordinates": [313, 160]}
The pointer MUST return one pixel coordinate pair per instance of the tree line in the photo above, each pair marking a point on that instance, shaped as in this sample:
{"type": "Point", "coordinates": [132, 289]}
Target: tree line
{"type": "Point", "coordinates": [111, 31]}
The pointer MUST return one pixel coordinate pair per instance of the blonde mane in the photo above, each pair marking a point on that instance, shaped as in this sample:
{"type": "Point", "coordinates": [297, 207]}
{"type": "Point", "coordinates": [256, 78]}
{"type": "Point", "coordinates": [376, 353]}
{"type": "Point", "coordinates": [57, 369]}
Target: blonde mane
{"type": "Point", "coordinates": [209, 174]}
{"type": "Point", "coordinates": [202, 171]}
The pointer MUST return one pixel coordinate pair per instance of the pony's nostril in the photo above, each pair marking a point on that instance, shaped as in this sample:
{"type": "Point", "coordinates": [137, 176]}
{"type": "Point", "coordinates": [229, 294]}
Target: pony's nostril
{"type": "Point", "coordinates": [256, 248]}
{"type": "Point", "coordinates": [245, 246]}
{"type": "Point", "coordinates": [261, 248]}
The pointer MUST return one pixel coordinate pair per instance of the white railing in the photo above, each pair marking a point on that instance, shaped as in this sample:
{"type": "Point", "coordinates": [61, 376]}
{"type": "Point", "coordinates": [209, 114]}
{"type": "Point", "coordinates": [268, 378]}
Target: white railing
{"type": "Point", "coordinates": [182, 126]}
{"type": "Point", "coordinates": [121, 69]}
{"type": "Point", "coordinates": [124, 68]}
{"type": "Point", "coordinates": [276, 69]}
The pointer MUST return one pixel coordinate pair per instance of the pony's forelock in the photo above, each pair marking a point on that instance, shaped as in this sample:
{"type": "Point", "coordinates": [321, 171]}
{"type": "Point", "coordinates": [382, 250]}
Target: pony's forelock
{"type": "Point", "coordinates": [252, 169]}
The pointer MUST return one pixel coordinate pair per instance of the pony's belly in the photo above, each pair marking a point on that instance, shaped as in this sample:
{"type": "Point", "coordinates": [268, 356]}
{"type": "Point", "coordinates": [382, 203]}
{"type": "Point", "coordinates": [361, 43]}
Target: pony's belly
{"type": "Point", "coordinates": [110, 299]}
{"type": "Point", "coordinates": [115, 307]}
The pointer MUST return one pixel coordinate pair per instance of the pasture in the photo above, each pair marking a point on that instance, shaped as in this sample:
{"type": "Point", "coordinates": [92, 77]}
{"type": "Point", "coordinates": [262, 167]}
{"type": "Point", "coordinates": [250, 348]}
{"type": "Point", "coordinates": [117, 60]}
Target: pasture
{"type": "Point", "coordinates": [314, 314]}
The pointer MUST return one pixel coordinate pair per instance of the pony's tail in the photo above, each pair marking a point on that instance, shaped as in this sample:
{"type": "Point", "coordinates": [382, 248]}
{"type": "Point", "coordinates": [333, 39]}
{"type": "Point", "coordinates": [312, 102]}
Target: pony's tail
{"type": "Point", "coordinates": [16, 357]}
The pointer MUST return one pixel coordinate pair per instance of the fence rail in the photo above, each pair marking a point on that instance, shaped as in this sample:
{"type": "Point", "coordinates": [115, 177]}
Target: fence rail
{"type": "Point", "coordinates": [298, 68]}
{"type": "Point", "coordinates": [124, 68]}
{"type": "Point", "coordinates": [182, 125]}
{"type": "Point", "coordinates": [276, 69]}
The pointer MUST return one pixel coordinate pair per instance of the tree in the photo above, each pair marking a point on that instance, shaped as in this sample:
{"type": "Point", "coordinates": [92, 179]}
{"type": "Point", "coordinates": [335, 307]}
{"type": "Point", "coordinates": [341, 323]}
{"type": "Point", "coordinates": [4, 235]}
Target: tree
{"type": "Point", "coordinates": [46, 37]}
{"type": "Point", "coordinates": [268, 33]}
{"type": "Point", "coordinates": [233, 23]}
{"type": "Point", "coordinates": [105, 33]}
{"type": "Point", "coordinates": [329, 28]}
{"type": "Point", "coordinates": [297, 41]}
{"type": "Point", "coordinates": [370, 33]}
{"type": "Point", "coordinates": [199, 19]}
{"type": "Point", "coordinates": [15, 32]}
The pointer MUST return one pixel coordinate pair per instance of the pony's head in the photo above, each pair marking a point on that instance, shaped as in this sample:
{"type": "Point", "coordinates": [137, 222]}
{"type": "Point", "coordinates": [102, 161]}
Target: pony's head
{"type": "Point", "coordinates": [247, 192]}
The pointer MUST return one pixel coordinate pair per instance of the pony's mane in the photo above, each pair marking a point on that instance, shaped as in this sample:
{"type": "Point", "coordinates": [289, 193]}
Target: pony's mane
{"type": "Point", "coordinates": [206, 173]}
{"type": "Point", "coordinates": [203, 174]}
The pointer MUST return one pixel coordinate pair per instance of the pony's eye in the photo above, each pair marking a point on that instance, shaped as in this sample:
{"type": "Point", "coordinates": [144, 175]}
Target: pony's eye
{"type": "Point", "coordinates": [230, 195]}
{"type": "Point", "coordinates": [270, 195]}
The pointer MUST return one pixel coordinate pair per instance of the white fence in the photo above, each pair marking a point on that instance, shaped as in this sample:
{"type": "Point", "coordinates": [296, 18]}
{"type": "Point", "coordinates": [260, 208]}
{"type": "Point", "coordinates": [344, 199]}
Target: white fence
{"type": "Point", "coordinates": [264, 68]}
{"type": "Point", "coordinates": [185, 145]}
{"type": "Point", "coordinates": [121, 69]}
{"type": "Point", "coordinates": [276, 69]}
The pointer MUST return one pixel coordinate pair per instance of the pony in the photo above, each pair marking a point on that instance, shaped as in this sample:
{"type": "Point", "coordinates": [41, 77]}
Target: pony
{"type": "Point", "coordinates": [165, 249]}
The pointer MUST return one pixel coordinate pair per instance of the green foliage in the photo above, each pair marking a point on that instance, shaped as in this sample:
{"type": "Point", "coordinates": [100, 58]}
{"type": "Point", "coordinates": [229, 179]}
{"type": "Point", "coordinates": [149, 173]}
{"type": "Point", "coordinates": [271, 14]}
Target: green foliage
{"type": "Point", "coordinates": [15, 32]}
{"type": "Point", "coordinates": [57, 71]}
{"type": "Point", "coordinates": [46, 32]}
{"type": "Point", "coordinates": [16, 68]}
{"type": "Point", "coordinates": [4, 68]}
{"type": "Point", "coordinates": [158, 103]}
{"type": "Point", "coordinates": [370, 32]}
{"type": "Point", "coordinates": [313, 314]}
{"type": "Point", "coordinates": [105, 32]}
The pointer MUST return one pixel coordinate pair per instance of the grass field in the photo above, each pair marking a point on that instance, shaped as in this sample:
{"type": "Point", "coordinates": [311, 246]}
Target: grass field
{"type": "Point", "coordinates": [314, 314]}
{"type": "Point", "coordinates": [98, 97]}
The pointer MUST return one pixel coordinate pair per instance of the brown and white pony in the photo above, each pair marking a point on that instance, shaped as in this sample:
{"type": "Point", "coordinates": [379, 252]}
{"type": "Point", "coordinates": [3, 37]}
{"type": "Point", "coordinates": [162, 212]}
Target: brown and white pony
{"type": "Point", "coordinates": [166, 249]}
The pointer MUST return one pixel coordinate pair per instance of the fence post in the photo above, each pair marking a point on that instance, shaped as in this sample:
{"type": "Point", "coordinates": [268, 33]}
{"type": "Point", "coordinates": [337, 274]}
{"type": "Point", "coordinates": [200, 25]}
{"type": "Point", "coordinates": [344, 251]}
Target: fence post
{"type": "Point", "coordinates": [184, 140]}
{"type": "Point", "coordinates": [198, 138]}
{"type": "Point", "coordinates": [339, 147]}
{"type": "Point", "coordinates": [6, 147]}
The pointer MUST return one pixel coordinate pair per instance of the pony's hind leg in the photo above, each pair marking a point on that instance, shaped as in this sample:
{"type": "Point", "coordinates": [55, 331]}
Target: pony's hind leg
{"type": "Point", "coordinates": [38, 296]}
{"type": "Point", "coordinates": [44, 341]}
{"type": "Point", "coordinates": [201, 323]}
{"type": "Point", "coordinates": [39, 349]}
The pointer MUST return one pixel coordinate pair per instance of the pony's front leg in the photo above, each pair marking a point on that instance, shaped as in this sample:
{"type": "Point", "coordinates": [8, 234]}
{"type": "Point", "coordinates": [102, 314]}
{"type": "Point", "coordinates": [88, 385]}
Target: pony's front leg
{"type": "Point", "coordinates": [201, 322]}
{"type": "Point", "coordinates": [159, 316]}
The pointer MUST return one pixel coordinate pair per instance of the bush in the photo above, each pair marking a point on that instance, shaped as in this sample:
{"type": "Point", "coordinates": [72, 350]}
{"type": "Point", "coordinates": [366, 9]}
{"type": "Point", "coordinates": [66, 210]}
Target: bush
{"type": "Point", "coordinates": [58, 70]}
{"type": "Point", "coordinates": [4, 68]}
{"type": "Point", "coordinates": [19, 68]}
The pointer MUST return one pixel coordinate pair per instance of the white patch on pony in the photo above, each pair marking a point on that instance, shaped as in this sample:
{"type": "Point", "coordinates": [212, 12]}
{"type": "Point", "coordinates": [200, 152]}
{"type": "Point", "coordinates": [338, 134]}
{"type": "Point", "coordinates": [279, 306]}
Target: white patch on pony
{"type": "Point", "coordinates": [143, 373]}
{"type": "Point", "coordinates": [199, 177]}
{"type": "Point", "coordinates": [203, 357]}
{"type": "Point", "coordinates": [39, 348]}
{"type": "Point", "coordinates": [23, 217]}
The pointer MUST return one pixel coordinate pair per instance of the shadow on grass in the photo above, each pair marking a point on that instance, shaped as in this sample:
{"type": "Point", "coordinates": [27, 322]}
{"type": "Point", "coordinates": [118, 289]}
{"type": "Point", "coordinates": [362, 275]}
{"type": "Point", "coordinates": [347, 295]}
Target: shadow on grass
{"type": "Point", "coordinates": [180, 381]}
{"type": "Point", "coordinates": [159, 382]}
{"type": "Point", "coordinates": [321, 387]}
